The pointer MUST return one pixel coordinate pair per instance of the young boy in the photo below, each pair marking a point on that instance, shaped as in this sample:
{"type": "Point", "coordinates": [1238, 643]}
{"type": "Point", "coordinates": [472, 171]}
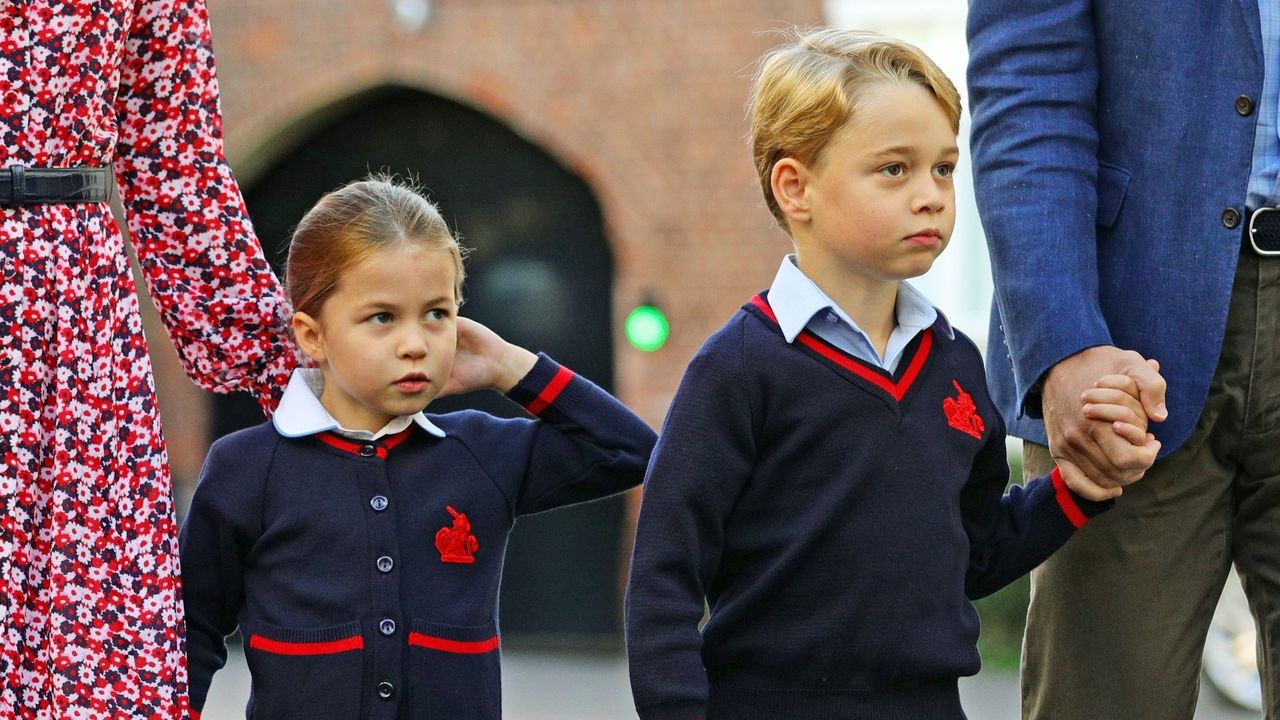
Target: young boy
{"type": "Point", "coordinates": [830, 477]}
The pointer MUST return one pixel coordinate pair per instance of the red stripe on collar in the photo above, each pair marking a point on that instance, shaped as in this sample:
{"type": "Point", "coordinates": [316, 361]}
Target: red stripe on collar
{"type": "Point", "coordinates": [357, 447]}
{"type": "Point", "coordinates": [896, 390]}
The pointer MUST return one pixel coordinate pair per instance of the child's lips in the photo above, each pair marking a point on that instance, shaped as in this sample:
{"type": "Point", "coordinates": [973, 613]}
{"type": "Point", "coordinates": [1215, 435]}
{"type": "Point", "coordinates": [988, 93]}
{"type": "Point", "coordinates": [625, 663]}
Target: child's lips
{"type": "Point", "coordinates": [925, 238]}
{"type": "Point", "coordinates": [414, 383]}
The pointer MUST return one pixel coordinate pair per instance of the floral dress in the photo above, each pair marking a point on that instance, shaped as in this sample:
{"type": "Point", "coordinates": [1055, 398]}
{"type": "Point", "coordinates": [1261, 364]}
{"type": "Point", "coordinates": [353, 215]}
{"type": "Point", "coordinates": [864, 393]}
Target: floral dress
{"type": "Point", "coordinates": [90, 603]}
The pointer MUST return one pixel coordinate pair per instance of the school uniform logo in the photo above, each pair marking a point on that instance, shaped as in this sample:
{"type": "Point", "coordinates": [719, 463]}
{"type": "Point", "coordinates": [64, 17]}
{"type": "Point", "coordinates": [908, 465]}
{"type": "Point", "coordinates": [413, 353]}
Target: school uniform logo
{"type": "Point", "coordinates": [456, 544]}
{"type": "Point", "coordinates": [962, 413]}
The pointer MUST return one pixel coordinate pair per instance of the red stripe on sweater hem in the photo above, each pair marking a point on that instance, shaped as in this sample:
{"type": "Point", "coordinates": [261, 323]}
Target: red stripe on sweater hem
{"type": "Point", "coordinates": [1065, 501]}
{"type": "Point", "coordinates": [454, 646]}
{"type": "Point", "coordinates": [194, 715]}
{"type": "Point", "coordinates": [551, 391]}
{"type": "Point", "coordinates": [278, 647]}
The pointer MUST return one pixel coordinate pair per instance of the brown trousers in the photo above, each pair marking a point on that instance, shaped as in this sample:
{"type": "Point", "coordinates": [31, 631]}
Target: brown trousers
{"type": "Point", "coordinates": [1118, 617]}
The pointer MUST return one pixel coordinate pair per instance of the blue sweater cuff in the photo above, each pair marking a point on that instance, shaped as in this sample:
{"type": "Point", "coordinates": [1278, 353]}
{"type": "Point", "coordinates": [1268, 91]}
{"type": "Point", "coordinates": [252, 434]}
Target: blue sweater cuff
{"type": "Point", "coordinates": [549, 384]}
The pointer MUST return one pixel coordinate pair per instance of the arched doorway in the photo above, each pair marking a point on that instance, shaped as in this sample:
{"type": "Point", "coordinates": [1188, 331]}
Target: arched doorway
{"type": "Point", "coordinates": [539, 274]}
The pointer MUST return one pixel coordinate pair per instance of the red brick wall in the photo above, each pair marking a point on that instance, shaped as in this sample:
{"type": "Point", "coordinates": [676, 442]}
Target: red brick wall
{"type": "Point", "coordinates": [644, 99]}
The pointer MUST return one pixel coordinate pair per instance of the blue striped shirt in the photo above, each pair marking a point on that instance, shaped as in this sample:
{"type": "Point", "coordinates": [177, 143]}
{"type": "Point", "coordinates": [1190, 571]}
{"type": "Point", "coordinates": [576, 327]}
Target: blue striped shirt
{"type": "Point", "coordinates": [1264, 182]}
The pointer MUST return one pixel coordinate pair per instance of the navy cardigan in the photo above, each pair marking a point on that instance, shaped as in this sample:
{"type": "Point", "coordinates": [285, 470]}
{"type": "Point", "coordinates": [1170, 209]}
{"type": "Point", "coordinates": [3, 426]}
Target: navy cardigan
{"type": "Point", "coordinates": [364, 575]}
{"type": "Point", "coordinates": [836, 520]}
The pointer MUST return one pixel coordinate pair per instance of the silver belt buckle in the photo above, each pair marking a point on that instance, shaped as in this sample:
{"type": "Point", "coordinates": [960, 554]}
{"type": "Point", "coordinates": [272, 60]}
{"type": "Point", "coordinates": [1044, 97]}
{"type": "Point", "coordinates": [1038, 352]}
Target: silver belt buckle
{"type": "Point", "coordinates": [1253, 229]}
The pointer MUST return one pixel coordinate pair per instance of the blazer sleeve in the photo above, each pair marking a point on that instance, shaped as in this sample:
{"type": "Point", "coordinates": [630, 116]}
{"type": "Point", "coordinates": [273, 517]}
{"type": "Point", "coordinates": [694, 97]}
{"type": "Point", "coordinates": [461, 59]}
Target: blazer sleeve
{"type": "Point", "coordinates": [218, 298]}
{"type": "Point", "coordinates": [585, 444]}
{"type": "Point", "coordinates": [1012, 532]}
{"type": "Point", "coordinates": [1033, 78]}
{"type": "Point", "coordinates": [222, 525]}
{"type": "Point", "coordinates": [703, 460]}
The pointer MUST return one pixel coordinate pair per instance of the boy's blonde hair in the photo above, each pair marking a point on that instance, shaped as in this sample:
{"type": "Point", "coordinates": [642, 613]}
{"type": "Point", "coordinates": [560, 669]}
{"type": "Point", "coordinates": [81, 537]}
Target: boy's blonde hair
{"type": "Point", "coordinates": [808, 89]}
{"type": "Point", "coordinates": [350, 224]}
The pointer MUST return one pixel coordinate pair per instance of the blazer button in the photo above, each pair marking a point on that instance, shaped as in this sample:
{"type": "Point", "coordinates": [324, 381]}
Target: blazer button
{"type": "Point", "coordinates": [385, 563]}
{"type": "Point", "coordinates": [368, 451]}
{"type": "Point", "coordinates": [1231, 218]}
{"type": "Point", "coordinates": [386, 690]}
{"type": "Point", "coordinates": [1244, 105]}
{"type": "Point", "coordinates": [387, 627]}
{"type": "Point", "coordinates": [379, 503]}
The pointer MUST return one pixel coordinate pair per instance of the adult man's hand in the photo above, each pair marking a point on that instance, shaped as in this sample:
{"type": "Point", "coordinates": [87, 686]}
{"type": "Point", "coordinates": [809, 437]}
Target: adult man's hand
{"type": "Point", "coordinates": [1091, 445]}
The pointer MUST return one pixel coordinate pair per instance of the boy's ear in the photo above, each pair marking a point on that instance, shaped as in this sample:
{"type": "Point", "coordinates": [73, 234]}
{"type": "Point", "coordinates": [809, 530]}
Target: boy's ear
{"type": "Point", "coordinates": [310, 336]}
{"type": "Point", "coordinates": [788, 182]}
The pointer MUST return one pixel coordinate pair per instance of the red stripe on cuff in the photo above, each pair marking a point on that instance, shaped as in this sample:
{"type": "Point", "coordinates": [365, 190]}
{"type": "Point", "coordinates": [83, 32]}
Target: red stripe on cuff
{"type": "Point", "coordinates": [257, 642]}
{"type": "Point", "coordinates": [551, 391]}
{"type": "Point", "coordinates": [1066, 501]}
{"type": "Point", "coordinates": [454, 646]}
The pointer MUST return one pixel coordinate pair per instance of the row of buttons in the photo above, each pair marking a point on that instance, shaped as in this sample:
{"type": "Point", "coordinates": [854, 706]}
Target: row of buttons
{"type": "Point", "coordinates": [1231, 216]}
{"type": "Point", "coordinates": [385, 564]}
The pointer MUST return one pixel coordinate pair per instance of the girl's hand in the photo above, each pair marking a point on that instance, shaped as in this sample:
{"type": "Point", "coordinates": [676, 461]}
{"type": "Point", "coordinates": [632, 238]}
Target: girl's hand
{"type": "Point", "coordinates": [484, 361]}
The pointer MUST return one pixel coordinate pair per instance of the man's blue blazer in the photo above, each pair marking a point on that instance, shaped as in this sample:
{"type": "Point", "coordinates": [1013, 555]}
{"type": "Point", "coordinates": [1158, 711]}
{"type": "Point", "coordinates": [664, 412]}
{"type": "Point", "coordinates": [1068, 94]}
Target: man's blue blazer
{"type": "Point", "coordinates": [1107, 147]}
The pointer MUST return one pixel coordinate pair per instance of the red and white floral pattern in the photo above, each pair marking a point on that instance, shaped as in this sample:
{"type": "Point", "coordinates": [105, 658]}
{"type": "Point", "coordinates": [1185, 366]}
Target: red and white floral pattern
{"type": "Point", "coordinates": [90, 604]}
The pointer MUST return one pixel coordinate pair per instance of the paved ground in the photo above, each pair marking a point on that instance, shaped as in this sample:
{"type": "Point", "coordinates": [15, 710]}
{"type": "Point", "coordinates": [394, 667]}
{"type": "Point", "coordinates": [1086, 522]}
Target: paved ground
{"type": "Point", "coordinates": [577, 686]}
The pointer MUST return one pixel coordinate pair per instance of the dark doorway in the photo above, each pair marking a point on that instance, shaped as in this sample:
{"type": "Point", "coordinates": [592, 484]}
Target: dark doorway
{"type": "Point", "coordinates": [539, 274]}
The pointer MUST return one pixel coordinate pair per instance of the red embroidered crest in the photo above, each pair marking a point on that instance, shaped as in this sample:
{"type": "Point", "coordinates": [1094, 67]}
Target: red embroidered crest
{"type": "Point", "coordinates": [962, 413]}
{"type": "Point", "coordinates": [456, 544]}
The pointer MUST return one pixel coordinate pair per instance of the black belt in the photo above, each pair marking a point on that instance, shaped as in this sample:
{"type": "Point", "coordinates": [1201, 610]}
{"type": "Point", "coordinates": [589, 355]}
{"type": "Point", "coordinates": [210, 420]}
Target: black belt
{"type": "Point", "coordinates": [1262, 231]}
{"type": "Point", "coordinates": [47, 186]}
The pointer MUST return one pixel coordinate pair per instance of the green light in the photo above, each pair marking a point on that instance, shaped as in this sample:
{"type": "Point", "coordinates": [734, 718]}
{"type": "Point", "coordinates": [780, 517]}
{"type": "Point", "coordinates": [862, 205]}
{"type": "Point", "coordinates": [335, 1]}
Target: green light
{"type": "Point", "coordinates": [647, 328]}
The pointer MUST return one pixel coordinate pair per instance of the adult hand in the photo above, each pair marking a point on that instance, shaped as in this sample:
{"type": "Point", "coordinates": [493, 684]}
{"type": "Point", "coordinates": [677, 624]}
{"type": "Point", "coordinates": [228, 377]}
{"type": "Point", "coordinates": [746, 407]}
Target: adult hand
{"type": "Point", "coordinates": [1093, 446]}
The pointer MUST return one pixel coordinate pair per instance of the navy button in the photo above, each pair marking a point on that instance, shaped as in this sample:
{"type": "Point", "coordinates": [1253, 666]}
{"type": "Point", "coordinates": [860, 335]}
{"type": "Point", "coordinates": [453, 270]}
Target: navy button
{"type": "Point", "coordinates": [368, 451]}
{"type": "Point", "coordinates": [385, 563]}
{"type": "Point", "coordinates": [386, 690]}
{"type": "Point", "coordinates": [379, 503]}
{"type": "Point", "coordinates": [388, 627]}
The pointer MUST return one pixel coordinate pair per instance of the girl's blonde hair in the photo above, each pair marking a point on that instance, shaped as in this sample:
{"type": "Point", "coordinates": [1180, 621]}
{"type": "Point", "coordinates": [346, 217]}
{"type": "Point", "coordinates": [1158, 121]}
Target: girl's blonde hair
{"type": "Point", "coordinates": [350, 224]}
{"type": "Point", "coordinates": [808, 89]}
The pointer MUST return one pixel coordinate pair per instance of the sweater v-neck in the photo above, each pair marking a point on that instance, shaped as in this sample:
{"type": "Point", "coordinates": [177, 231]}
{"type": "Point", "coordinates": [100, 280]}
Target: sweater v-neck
{"type": "Point", "coordinates": [895, 385]}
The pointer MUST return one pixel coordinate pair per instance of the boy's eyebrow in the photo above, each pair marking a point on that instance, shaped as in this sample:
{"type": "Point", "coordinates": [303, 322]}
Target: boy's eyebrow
{"type": "Point", "coordinates": [898, 150]}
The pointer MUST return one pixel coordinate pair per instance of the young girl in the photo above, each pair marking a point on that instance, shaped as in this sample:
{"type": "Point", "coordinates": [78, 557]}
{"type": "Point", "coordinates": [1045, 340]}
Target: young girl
{"type": "Point", "coordinates": [356, 541]}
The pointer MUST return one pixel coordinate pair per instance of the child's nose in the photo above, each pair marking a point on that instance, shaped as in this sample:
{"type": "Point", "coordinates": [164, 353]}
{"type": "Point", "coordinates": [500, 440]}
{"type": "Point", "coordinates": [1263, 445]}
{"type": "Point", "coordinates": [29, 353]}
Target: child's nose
{"type": "Point", "coordinates": [929, 196]}
{"type": "Point", "coordinates": [413, 345]}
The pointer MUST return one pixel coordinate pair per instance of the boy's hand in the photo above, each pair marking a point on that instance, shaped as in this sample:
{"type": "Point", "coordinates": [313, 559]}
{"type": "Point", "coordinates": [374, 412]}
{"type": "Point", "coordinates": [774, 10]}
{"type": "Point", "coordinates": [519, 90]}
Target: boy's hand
{"type": "Point", "coordinates": [484, 361]}
{"type": "Point", "coordinates": [1083, 486]}
{"type": "Point", "coordinates": [1090, 445]}
{"type": "Point", "coordinates": [1114, 399]}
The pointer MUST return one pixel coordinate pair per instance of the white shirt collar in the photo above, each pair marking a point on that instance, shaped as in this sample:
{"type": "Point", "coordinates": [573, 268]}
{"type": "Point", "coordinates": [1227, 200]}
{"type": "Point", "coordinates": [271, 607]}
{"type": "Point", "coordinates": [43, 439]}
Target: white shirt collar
{"type": "Point", "coordinates": [300, 412]}
{"type": "Point", "coordinates": [795, 299]}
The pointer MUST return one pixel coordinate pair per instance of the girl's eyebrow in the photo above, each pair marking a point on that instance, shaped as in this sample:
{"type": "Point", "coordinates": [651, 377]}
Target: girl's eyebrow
{"type": "Point", "coordinates": [381, 303]}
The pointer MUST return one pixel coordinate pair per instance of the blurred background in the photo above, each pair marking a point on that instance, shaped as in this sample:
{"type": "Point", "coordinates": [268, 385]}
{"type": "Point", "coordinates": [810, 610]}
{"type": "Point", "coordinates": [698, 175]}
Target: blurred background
{"type": "Point", "coordinates": [593, 155]}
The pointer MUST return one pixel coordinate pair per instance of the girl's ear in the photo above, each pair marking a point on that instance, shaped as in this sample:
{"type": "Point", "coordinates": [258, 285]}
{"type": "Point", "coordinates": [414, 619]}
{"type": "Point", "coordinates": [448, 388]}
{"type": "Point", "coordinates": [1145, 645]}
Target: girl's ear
{"type": "Point", "coordinates": [310, 335]}
{"type": "Point", "coordinates": [789, 181]}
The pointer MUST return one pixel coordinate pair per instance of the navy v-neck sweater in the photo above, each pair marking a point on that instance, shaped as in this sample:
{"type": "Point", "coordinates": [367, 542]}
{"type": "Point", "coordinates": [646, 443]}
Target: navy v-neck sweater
{"type": "Point", "coordinates": [836, 520]}
{"type": "Point", "coordinates": [364, 575]}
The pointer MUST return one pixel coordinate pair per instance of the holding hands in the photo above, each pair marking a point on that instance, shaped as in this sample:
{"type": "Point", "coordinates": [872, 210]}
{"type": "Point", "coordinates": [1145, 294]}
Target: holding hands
{"type": "Point", "coordinates": [1098, 432]}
